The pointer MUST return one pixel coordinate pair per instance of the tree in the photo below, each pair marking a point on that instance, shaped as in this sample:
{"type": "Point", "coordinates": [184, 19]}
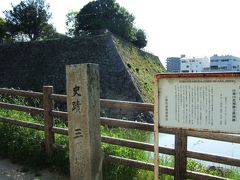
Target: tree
{"type": "Point", "coordinates": [29, 17]}
{"type": "Point", "coordinates": [106, 14]}
{"type": "Point", "coordinates": [49, 32]}
{"type": "Point", "coordinates": [141, 40]}
{"type": "Point", "coordinates": [71, 22]}
{"type": "Point", "coordinates": [2, 30]}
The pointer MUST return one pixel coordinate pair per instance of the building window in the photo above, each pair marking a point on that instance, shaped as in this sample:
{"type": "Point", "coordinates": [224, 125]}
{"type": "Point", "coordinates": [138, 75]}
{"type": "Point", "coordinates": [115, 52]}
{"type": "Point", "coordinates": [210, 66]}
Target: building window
{"type": "Point", "coordinates": [223, 67]}
{"type": "Point", "coordinates": [225, 60]}
{"type": "Point", "coordinates": [214, 67]}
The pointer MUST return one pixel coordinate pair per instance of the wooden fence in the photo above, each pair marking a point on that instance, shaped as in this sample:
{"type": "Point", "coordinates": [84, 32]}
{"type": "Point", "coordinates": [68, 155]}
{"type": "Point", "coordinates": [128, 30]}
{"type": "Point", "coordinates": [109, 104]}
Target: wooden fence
{"type": "Point", "coordinates": [180, 152]}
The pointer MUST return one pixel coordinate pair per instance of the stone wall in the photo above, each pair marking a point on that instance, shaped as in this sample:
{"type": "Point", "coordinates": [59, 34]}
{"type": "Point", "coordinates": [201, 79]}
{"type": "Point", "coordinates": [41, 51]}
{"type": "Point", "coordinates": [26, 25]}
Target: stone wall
{"type": "Point", "coordinates": [30, 65]}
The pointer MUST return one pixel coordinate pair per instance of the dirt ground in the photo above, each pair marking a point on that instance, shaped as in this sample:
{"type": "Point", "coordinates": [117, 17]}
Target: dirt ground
{"type": "Point", "coordinates": [9, 171]}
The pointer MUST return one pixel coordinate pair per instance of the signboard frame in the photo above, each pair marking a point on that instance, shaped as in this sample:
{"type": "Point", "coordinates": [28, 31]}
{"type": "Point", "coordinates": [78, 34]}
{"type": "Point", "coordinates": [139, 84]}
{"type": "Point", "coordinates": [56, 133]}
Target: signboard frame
{"type": "Point", "coordinates": [159, 77]}
{"type": "Point", "coordinates": [180, 156]}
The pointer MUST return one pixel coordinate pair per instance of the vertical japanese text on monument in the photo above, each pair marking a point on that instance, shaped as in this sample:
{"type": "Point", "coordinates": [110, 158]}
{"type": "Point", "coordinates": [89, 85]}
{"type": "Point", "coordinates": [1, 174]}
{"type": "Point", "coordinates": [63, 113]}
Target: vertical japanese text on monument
{"type": "Point", "coordinates": [76, 103]}
{"type": "Point", "coordinates": [199, 102]}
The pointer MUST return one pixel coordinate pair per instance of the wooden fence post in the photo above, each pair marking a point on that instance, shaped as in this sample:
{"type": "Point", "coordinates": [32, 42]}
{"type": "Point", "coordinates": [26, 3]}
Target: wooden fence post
{"type": "Point", "coordinates": [83, 104]}
{"type": "Point", "coordinates": [156, 129]}
{"type": "Point", "coordinates": [48, 119]}
{"type": "Point", "coordinates": [180, 154]}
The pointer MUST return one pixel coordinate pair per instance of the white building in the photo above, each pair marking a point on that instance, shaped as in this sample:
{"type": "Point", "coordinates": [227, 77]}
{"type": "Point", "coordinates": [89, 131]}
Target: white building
{"type": "Point", "coordinates": [194, 64]}
{"type": "Point", "coordinates": [224, 63]}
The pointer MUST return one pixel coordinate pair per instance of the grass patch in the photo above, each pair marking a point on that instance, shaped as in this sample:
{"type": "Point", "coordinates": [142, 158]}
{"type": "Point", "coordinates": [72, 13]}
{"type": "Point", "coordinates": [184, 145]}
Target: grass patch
{"type": "Point", "coordinates": [229, 172]}
{"type": "Point", "coordinates": [142, 65]}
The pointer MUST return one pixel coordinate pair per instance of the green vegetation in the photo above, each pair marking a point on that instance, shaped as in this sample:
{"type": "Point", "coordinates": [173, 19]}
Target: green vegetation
{"type": "Point", "coordinates": [233, 173]}
{"type": "Point", "coordinates": [114, 171]}
{"type": "Point", "coordinates": [107, 14]}
{"type": "Point", "coordinates": [142, 65]}
{"type": "Point", "coordinates": [2, 30]}
{"type": "Point", "coordinates": [26, 146]}
{"type": "Point", "coordinates": [71, 22]}
{"type": "Point", "coordinates": [28, 20]}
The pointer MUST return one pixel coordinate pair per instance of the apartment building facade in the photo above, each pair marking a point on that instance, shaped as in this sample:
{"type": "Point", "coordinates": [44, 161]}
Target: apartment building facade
{"type": "Point", "coordinates": [173, 64]}
{"type": "Point", "coordinates": [226, 63]}
{"type": "Point", "coordinates": [194, 64]}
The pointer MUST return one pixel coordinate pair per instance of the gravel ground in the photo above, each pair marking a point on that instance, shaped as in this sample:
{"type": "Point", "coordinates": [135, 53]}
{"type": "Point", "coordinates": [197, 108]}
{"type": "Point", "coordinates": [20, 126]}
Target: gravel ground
{"type": "Point", "coordinates": [9, 171]}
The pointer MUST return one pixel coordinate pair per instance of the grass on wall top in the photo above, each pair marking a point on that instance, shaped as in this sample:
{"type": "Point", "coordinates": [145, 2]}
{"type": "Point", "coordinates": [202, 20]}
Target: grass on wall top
{"type": "Point", "coordinates": [142, 65]}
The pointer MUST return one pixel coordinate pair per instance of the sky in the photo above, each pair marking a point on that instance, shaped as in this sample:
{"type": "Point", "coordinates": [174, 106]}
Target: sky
{"type": "Point", "coordinates": [173, 27]}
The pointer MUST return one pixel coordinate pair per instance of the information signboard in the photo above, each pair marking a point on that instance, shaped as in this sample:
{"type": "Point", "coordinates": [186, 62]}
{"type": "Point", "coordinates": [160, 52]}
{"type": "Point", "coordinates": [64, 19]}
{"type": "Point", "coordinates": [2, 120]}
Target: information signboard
{"type": "Point", "coordinates": [200, 101]}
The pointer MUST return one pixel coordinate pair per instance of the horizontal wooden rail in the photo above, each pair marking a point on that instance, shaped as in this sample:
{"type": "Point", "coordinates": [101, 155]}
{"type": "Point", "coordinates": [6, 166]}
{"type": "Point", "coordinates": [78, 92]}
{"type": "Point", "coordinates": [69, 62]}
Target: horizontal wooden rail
{"type": "Point", "coordinates": [136, 145]}
{"type": "Point", "coordinates": [60, 114]}
{"type": "Point", "coordinates": [22, 123]}
{"type": "Point", "coordinates": [130, 162]}
{"type": "Point", "coordinates": [121, 123]}
{"type": "Point", "coordinates": [126, 124]}
{"type": "Point", "coordinates": [138, 164]}
{"type": "Point", "coordinates": [215, 136]}
{"type": "Point", "coordinates": [58, 97]}
{"type": "Point", "coordinates": [167, 130]}
{"type": "Point", "coordinates": [149, 127]}
{"type": "Point", "coordinates": [197, 175]}
{"type": "Point", "coordinates": [58, 130]}
{"type": "Point", "coordinates": [214, 158]}
{"type": "Point", "coordinates": [15, 92]}
{"type": "Point", "coordinates": [113, 122]}
{"type": "Point", "coordinates": [133, 125]}
{"type": "Point", "coordinates": [123, 142]}
{"type": "Point", "coordinates": [32, 110]}
{"type": "Point", "coordinates": [106, 103]}
{"type": "Point", "coordinates": [31, 125]}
